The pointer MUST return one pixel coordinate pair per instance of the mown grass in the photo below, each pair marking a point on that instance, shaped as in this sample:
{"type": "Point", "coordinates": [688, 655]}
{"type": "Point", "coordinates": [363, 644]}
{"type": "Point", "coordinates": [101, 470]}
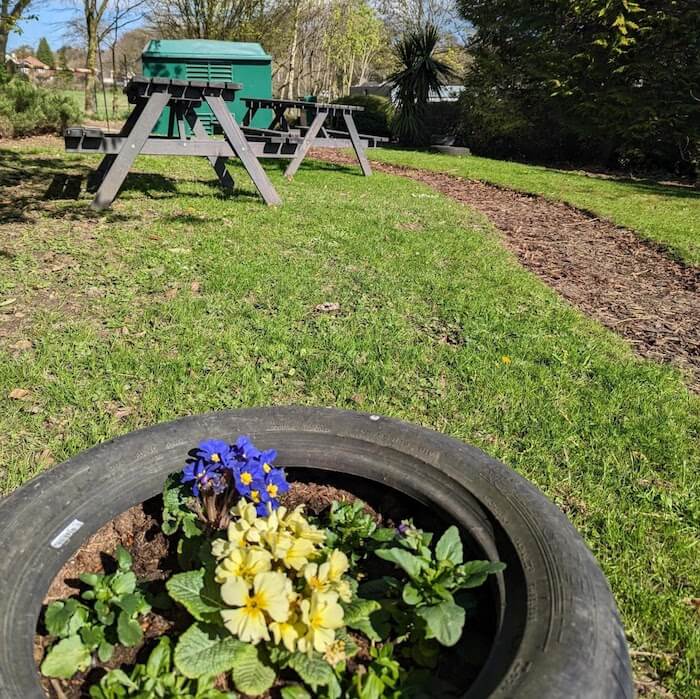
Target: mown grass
{"type": "Point", "coordinates": [181, 300]}
{"type": "Point", "coordinates": [101, 114]}
{"type": "Point", "coordinates": [668, 215]}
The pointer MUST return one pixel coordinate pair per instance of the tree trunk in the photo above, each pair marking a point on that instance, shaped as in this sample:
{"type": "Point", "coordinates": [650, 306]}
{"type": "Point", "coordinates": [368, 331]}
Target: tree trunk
{"type": "Point", "coordinates": [90, 64]}
{"type": "Point", "coordinates": [293, 55]}
{"type": "Point", "coordinates": [4, 35]}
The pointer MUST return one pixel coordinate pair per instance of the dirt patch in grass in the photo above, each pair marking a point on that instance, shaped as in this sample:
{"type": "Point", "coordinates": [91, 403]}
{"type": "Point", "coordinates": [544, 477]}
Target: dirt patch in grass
{"type": "Point", "coordinates": [628, 284]}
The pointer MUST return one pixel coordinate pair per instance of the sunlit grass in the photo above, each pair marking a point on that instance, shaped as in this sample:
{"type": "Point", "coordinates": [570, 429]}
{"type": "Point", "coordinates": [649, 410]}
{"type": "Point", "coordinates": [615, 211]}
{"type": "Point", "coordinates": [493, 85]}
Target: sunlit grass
{"type": "Point", "coordinates": [181, 300]}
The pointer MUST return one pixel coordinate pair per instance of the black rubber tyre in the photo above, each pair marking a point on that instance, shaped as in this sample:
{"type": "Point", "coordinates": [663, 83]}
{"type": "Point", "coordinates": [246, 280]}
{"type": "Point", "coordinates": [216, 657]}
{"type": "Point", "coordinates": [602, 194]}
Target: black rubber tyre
{"type": "Point", "coordinates": [560, 635]}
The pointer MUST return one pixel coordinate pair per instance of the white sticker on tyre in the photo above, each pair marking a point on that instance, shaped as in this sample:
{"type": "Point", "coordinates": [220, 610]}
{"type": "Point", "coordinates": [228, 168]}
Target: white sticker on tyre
{"type": "Point", "coordinates": [65, 536]}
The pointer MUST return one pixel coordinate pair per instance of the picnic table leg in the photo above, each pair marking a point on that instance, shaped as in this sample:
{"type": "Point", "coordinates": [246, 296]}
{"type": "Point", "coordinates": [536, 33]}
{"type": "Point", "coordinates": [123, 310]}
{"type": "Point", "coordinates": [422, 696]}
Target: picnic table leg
{"type": "Point", "coordinates": [357, 145]}
{"type": "Point", "coordinates": [304, 146]}
{"type": "Point", "coordinates": [218, 163]}
{"type": "Point", "coordinates": [239, 145]}
{"type": "Point", "coordinates": [131, 147]}
{"type": "Point", "coordinates": [96, 177]}
{"type": "Point", "coordinates": [249, 116]}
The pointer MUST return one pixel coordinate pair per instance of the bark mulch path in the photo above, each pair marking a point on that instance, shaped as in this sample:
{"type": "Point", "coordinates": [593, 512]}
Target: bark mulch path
{"type": "Point", "coordinates": [628, 284]}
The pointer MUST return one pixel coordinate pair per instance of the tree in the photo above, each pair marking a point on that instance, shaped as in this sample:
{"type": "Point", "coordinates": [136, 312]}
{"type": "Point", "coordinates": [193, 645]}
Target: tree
{"type": "Point", "coordinates": [11, 11]}
{"type": "Point", "coordinates": [44, 52]}
{"type": "Point", "coordinates": [609, 81]}
{"type": "Point", "coordinates": [99, 19]}
{"type": "Point", "coordinates": [420, 73]}
{"type": "Point", "coordinates": [214, 19]}
{"type": "Point", "coordinates": [23, 51]}
{"type": "Point", "coordinates": [355, 37]}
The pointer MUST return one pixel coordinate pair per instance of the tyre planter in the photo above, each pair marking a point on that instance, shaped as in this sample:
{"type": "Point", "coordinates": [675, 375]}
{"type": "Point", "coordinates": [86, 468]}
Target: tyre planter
{"type": "Point", "coordinates": [558, 634]}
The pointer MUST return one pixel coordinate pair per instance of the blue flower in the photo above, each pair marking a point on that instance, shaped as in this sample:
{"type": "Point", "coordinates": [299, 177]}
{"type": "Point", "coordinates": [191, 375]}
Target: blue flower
{"type": "Point", "coordinates": [266, 459]}
{"type": "Point", "coordinates": [276, 483]}
{"type": "Point", "coordinates": [244, 449]}
{"type": "Point", "coordinates": [259, 496]}
{"type": "Point", "coordinates": [201, 476]}
{"type": "Point", "coordinates": [249, 476]}
{"type": "Point", "coordinates": [215, 452]}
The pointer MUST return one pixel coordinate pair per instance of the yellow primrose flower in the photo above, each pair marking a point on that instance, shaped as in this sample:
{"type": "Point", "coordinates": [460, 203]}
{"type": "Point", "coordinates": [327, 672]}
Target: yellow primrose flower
{"type": "Point", "coordinates": [326, 576]}
{"type": "Point", "coordinates": [244, 563]}
{"type": "Point", "coordinates": [322, 615]}
{"type": "Point", "coordinates": [287, 632]}
{"type": "Point", "coordinates": [222, 548]}
{"type": "Point", "coordinates": [300, 527]}
{"type": "Point", "coordinates": [335, 653]}
{"type": "Point", "coordinates": [268, 600]}
{"type": "Point", "coordinates": [246, 527]}
{"type": "Point", "coordinates": [297, 555]}
{"type": "Point", "coordinates": [344, 591]}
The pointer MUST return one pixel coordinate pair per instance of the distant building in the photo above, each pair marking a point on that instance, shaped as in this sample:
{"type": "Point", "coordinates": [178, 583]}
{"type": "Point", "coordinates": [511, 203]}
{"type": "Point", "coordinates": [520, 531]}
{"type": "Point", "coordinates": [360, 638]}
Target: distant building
{"type": "Point", "coordinates": [449, 93]}
{"type": "Point", "coordinates": [29, 65]}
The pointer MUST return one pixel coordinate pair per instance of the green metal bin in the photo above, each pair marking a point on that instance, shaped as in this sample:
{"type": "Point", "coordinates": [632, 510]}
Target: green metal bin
{"type": "Point", "coordinates": [216, 61]}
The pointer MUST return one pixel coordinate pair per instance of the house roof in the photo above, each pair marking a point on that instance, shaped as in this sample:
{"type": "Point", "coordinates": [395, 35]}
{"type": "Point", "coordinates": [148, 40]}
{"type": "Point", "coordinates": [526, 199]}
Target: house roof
{"type": "Point", "coordinates": [33, 62]}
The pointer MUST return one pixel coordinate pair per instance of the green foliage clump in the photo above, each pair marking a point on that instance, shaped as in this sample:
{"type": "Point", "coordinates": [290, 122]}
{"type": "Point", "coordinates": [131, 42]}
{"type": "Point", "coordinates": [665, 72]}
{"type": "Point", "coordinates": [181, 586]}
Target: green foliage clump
{"type": "Point", "coordinates": [378, 113]}
{"type": "Point", "coordinates": [26, 110]}
{"type": "Point", "coordinates": [116, 603]}
{"type": "Point", "coordinates": [610, 81]}
{"type": "Point", "coordinates": [351, 528]}
{"type": "Point", "coordinates": [156, 678]}
{"type": "Point", "coordinates": [434, 579]}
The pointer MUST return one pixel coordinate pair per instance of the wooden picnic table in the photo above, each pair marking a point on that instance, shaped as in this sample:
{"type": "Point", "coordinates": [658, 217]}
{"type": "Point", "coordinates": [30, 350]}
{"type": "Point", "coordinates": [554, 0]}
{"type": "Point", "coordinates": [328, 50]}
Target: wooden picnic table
{"type": "Point", "coordinates": [150, 96]}
{"type": "Point", "coordinates": [314, 135]}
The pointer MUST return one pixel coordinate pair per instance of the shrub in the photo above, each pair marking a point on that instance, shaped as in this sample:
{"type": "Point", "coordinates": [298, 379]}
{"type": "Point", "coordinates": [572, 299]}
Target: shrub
{"type": "Point", "coordinates": [26, 110]}
{"type": "Point", "coordinates": [377, 117]}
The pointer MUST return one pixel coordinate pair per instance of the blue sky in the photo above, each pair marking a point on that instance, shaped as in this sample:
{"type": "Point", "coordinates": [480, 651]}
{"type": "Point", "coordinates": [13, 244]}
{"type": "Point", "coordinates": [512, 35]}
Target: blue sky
{"type": "Point", "coordinates": [51, 23]}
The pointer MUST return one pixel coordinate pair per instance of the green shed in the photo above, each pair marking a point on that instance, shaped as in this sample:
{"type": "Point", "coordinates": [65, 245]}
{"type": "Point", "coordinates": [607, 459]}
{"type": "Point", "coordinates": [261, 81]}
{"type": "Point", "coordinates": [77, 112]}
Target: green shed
{"type": "Point", "coordinates": [204, 59]}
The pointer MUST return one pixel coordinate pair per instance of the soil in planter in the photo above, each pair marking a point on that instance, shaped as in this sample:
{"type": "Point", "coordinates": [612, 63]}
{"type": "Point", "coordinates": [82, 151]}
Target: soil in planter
{"type": "Point", "coordinates": [139, 531]}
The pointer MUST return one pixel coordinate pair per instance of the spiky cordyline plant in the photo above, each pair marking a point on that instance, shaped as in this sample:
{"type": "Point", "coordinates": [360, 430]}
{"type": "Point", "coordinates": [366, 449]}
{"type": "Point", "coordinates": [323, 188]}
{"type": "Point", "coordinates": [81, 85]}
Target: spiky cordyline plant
{"type": "Point", "coordinates": [420, 74]}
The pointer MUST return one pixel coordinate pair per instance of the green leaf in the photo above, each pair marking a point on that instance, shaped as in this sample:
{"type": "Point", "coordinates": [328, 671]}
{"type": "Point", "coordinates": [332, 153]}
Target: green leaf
{"type": "Point", "coordinates": [474, 573]}
{"type": "Point", "coordinates": [133, 603]}
{"type": "Point", "coordinates": [123, 583]}
{"type": "Point", "coordinates": [444, 622]}
{"type": "Point", "coordinates": [384, 534]}
{"type": "Point", "coordinates": [358, 615]}
{"type": "Point", "coordinates": [63, 619]}
{"type": "Point", "coordinates": [402, 558]}
{"type": "Point", "coordinates": [105, 652]}
{"type": "Point", "coordinates": [411, 595]}
{"type": "Point", "coordinates": [294, 691]}
{"type": "Point", "coordinates": [92, 636]}
{"type": "Point", "coordinates": [160, 659]}
{"type": "Point", "coordinates": [66, 658]}
{"type": "Point", "coordinates": [91, 579]}
{"type": "Point", "coordinates": [313, 669]}
{"type": "Point", "coordinates": [206, 650]}
{"type": "Point", "coordinates": [123, 557]}
{"type": "Point", "coordinates": [176, 513]}
{"type": "Point", "coordinates": [250, 674]}
{"type": "Point", "coordinates": [449, 548]}
{"type": "Point", "coordinates": [197, 593]}
{"type": "Point", "coordinates": [128, 630]}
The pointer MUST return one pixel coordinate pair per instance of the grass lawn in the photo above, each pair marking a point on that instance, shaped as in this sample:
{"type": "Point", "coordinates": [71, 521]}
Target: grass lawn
{"type": "Point", "coordinates": [669, 215]}
{"type": "Point", "coordinates": [78, 96]}
{"type": "Point", "coordinates": [181, 300]}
